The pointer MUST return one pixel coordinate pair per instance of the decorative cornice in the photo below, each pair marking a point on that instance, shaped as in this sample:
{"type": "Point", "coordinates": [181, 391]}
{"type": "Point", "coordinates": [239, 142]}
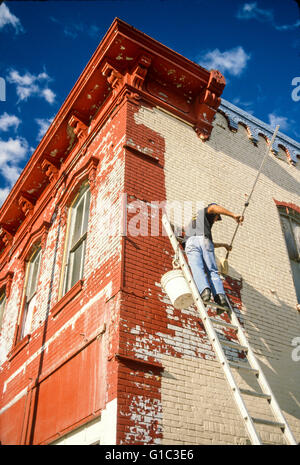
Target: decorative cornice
{"type": "Point", "coordinates": [256, 127]}
{"type": "Point", "coordinates": [26, 203]}
{"type": "Point", "coordinates": [6, 236]}
{"type": "Point", "coordinates": [51, 169]}
{"type": "Point", "coordinates": [127, 64]}
{"type": "Point", "coordinates": [78, 126]}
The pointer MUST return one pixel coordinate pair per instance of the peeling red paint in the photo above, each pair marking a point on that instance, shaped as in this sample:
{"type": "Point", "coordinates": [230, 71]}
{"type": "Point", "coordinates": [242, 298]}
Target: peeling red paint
{"type": "Point", "coordinates": [106, 337]}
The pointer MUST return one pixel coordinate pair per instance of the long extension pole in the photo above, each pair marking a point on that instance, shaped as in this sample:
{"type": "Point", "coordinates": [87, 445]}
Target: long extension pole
{"type": "Point", "coordinates": [255, 182]}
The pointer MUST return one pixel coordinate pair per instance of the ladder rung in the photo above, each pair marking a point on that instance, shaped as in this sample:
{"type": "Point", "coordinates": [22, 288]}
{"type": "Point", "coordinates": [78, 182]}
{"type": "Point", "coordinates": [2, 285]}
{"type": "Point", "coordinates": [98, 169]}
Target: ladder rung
{"type": "Point", "coordinates": [223, 323]}
{"type": "Point", "coordinates": [262, 421]}
{"type": "Point", "coordinates": [240, 366]}
{"type": "Point", "coordinates": [234, 345]}
{"type": "Point", "coordinates": [255, 394]}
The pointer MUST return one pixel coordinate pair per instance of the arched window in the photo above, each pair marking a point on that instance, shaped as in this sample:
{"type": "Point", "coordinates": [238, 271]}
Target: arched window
{"type": "Point", "coordinates": [31, 281]}
{"type": "Point", "coordinates": [76, 238]}
{"type": "Point", "coordinates": [290, 223]}
{"type": "Point", "coordinates": [2, 305]}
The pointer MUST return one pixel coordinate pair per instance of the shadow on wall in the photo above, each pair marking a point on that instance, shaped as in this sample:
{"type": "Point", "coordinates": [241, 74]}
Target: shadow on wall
{"type": "Point", "coordinates": [272, 168]}
{"type": "Point", "coordinates": [271, 325]}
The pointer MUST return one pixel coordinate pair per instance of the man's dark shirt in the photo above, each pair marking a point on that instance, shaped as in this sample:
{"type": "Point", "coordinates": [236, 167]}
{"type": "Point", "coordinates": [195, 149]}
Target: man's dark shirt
{"type": "Point", "coordinates": [201, 225]}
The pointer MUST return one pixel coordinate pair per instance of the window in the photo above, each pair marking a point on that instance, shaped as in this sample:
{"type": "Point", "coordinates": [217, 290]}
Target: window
{"type": "Point", "coordinates": [75, 254]}
{"type": "Point", "coordinates": [290, 223]}
{"type": "Point", "coordinates": [31, 279]}
{"type": "Point", "coordinates": [2, 305]}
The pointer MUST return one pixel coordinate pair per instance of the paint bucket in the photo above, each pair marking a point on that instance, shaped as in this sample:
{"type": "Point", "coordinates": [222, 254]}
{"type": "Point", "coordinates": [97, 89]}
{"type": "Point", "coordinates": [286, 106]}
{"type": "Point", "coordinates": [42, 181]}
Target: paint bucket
{"type": "Point", "coordinates": [222, 265]}
{"type": "Point", "coordinates": [177, 288]}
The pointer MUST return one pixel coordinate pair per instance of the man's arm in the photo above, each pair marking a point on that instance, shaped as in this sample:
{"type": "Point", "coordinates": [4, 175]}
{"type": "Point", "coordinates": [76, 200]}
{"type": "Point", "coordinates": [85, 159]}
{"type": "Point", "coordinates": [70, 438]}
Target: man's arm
{"type": "Point", "coordinates": [226, 246]}
{"type": "Point", "coordinates": [218, 210]}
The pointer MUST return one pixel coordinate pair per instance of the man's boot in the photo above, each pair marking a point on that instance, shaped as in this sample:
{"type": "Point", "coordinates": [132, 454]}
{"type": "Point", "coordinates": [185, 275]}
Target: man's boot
{"type": "Point", "coordinates": [220, 299]}
{"type": "Point", "coordinates": [205, 295]}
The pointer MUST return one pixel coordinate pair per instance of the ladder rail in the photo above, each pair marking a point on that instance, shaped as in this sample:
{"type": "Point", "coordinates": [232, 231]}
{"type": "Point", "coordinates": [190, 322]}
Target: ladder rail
{"type": "Point", "coordinates": [262, 380]}
{"type": "Point", "coordinates": [213, 336]}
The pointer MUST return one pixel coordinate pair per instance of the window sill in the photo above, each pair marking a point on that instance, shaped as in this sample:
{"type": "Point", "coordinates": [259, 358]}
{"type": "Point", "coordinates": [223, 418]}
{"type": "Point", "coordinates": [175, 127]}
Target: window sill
{"type": "Point", "coordinates": [73, 292]}
{"type": "Point", "coordinates": [18, 347]}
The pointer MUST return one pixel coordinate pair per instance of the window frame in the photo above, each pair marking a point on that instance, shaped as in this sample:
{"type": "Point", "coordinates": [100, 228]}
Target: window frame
{"type": "Point", "coordinates": [3, 300]}
{"type": "Point", "coordinates": [83, 195]}
{"type": "Point", "coordinates": [22, 330]}
{"type": "Point", "coordinates": [291, 215]}
{"type": "Point", "coordinates": [291, 218]}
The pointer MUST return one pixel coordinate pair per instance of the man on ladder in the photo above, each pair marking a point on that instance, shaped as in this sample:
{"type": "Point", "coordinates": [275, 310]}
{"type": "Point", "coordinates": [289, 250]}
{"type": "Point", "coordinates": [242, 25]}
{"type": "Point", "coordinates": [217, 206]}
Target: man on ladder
{"type": "Point", "coordinates": [199, 248]}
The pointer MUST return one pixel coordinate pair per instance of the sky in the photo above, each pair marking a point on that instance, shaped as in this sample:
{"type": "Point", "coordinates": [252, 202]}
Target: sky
{"type": "Point", "coordinates": [45, 45]}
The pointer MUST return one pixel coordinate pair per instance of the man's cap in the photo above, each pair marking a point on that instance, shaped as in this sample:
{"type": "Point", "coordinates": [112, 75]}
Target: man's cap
{"type": "Point", "coordinates": [219, 217]}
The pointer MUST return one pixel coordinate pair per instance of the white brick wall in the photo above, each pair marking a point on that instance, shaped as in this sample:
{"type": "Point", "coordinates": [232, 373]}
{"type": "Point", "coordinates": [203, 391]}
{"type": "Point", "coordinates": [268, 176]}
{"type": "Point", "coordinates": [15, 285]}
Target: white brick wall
{"type": "Point", "coordinates": [196, 401]}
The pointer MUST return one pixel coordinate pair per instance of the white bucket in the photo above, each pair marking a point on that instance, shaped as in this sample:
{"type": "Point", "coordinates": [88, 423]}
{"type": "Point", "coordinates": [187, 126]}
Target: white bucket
{"type": "Point", "coordinates": [175, 285]}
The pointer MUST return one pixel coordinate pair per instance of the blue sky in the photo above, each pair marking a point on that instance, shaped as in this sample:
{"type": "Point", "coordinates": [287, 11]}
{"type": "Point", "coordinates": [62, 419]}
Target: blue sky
{"type": "Point", "coordinates": [44, 46]}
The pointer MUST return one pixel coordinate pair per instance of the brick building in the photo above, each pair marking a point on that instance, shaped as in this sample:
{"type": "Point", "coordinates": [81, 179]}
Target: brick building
{"type": "Point", "coordinates": [92, 351]}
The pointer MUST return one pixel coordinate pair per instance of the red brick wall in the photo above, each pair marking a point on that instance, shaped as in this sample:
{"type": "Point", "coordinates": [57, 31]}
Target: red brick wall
{"type": "Point", "coordinates": [72, 379]}
{"type": "Point", "coordinates": [113, 346]}
{"type": "Point", "coordinates": [147, 325]}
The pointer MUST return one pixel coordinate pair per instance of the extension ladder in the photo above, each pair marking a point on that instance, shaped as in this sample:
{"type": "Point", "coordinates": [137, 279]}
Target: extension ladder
{"type": "Point", "coordinates": [242, 345]}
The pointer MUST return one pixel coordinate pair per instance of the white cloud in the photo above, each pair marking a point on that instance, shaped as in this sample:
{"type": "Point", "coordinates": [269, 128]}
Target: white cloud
{"type": "Point", "coordinates": [274, 120]}
{"type": "Point", "coordinates": [30, 85]}
{"type": "Point", "coordinates": [252, 11]}
{"type": "Point", "coordinates": [288, 27]}
{"type": "Point", "coordinates": [48, 95]}
{"type": "Point", "coordinates": [233, 61]}
{"type": "Point", "coordinates": [43, 124]}
{"type": "Point", "coordinates": [13, 151]}
{"type": "Point", "coordinates": [76, 29]}
{"type": "Point", "coordinates": [9, 19]}
{"type": "Point", "coordinates": [11, 172]}
{"type": "Point", "coordinates": [3, 194]}
{"type": "Point", "coordinates": [247, 105]}
{"type": "Point", "coordinates": [7, 121]}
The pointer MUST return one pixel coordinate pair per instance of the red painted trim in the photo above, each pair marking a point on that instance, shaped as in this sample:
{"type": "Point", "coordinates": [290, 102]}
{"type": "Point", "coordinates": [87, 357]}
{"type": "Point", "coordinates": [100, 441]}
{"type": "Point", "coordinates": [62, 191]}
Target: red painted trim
{"type": "Point", "coordinates": [127, 359]}
{"type": "Point", "coordinates": [5, 281]}
{"type": "Point", "coordinates": [78, 424]}
{"type": "Point", "coordinates": [120, 79]}
{"type": "Point", "coordinates": [77, 179]}
{"type": "Point", "coordinates": [37, 236]}
{"type": "Point", "coordinates": [293, 206]}
{"type": "Point", "coordinates": [67, 298]}
{"type": "Point", "coordinates": [18, 347]}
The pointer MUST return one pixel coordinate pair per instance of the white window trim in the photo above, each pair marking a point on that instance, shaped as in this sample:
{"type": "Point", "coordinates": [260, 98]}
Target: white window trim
{"type": "Point", "coordinates": [29, 304]}
{"type": "Point", "coordinates": [68, 259]}
{"type": "Point", "coordinates": [2, 305]}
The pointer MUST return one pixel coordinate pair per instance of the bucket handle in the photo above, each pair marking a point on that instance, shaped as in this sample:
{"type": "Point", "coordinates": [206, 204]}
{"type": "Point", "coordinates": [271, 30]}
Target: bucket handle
{"type": "Point", "coordinates": [175, 261]}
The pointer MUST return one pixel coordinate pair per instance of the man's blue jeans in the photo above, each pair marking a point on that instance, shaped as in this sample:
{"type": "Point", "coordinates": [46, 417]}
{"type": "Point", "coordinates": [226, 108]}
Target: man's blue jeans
{"type": "Point", "coordinates": [201, 257]}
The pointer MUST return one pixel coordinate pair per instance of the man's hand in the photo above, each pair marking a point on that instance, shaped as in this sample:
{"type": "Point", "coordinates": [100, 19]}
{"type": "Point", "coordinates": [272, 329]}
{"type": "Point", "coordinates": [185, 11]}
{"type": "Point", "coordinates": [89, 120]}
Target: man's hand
{"type": "Point", "coordinates": [239, 218]}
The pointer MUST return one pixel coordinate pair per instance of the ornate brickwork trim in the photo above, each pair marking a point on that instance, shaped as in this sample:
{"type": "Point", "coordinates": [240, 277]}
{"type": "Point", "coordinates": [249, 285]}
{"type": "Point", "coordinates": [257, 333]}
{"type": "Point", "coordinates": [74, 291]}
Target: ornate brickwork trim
{"type": "Point", "coordinates": [256, 127]}
{"type": "Point", "coordinates": [5, 281]}
{"type": "Point", "coordinates": [36, 237]}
